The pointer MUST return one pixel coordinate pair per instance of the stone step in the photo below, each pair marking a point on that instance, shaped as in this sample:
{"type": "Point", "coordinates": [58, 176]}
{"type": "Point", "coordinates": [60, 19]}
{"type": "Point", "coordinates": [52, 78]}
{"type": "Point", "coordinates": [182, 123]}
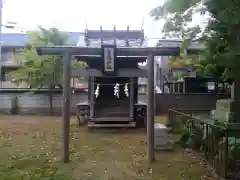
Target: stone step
{"type": "Point", "coordinates": [113, 114]}
{"type": "Point", "coordinates": [111, 119]}
{"type": "Point", "coordinates": [127, 125]}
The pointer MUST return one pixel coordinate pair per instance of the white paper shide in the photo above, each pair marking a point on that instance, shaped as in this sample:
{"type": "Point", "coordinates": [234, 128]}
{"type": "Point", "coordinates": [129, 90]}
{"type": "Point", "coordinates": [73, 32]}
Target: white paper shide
{"type": "Point", "coordinates": [97, 91]}
{"type": "Point", "coordinates": [116, 90]}
{"type": "Point", "coordinates": [126, 90]}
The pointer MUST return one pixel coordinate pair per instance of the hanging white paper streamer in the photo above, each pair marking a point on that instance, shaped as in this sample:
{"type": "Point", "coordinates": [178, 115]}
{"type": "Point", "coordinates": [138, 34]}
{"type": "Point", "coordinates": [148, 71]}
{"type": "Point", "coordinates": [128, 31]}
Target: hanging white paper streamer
{"type": "Point", "coordinates": [97, 91]}
{"type": "Point", "coordinates": [116, 90]}
{"type": "Point", "coordinates": [126, 89]}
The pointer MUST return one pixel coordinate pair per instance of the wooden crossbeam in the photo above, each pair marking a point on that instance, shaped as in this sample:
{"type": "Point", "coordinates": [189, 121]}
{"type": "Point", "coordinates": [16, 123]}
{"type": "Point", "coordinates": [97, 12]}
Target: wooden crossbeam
{"type": "Point", "coordinates": [96, 58]}
{"type": "Point", "coordinates": [125, 51]}
{"type": "Point", "coordinates": [119, 73]}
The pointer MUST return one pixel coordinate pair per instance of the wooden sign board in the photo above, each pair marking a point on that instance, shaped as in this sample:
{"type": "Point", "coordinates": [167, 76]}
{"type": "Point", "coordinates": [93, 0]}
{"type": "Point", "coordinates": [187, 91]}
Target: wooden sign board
{"type": "Point", "coordinates": [109, 56]}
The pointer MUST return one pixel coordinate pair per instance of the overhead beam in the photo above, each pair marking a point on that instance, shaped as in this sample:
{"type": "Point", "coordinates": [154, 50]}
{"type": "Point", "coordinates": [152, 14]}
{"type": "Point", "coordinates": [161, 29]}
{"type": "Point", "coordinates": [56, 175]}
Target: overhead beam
{"type": "Point", "coordinates": [124, 51]}
{"type": "Point", "coordinates": [119, 73]}
{"type": "Point", "coordinates": [93, 58]}
{"type": "Point", "coordinates": [73, 50]}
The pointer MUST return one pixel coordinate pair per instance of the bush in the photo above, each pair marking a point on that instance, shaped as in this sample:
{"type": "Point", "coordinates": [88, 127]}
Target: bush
{"type": "Point", "coordinates": [192, 138]}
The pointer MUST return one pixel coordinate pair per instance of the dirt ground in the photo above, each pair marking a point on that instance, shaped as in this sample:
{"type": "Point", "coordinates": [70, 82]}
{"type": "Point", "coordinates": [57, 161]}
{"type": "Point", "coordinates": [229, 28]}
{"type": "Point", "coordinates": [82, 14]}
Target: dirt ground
{"type": "Point", "coordinates": [30, 148]}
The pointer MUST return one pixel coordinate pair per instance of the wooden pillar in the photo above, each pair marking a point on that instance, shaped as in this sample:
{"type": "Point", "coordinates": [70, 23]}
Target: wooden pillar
{"type": "Point", "coordinates": [178, 83]}
{"type": "Point", "coordinates": [184, 86]}
{"type": "Point", "coordinates": [131, 97]}
{"type": "Point", "coordinates": [92, 96]}
{"type": "Point", "coordinates": [150, 110]}
{"type": "Point", "coordinates": [66, 105]}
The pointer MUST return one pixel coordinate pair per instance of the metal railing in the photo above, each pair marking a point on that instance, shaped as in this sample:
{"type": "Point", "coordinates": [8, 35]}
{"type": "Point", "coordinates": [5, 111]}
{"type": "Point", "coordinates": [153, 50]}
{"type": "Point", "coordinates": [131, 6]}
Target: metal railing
{"type": "Point", "coordinates": [219, 142]}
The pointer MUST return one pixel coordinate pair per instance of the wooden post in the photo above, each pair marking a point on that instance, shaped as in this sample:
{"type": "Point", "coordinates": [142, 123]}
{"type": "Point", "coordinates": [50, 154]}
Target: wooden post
{"type": "Point", "coordinates": [150, 110]}
{"type": "Point", "coordinates": [66, 105]}
{"type": "Point", "coordinates": [131, 97]}
{"type": "Point", "coordinates": [178, 87]}
{"type": "Point", "coordinates": [184, 86]}
{"type": "Point", "coordinates": [92, 96]}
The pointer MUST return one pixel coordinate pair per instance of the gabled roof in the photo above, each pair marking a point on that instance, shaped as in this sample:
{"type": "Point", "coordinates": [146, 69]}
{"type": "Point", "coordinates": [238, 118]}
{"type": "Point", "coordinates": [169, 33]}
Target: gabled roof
{"type": "Point", "coordinates": [18, 39]}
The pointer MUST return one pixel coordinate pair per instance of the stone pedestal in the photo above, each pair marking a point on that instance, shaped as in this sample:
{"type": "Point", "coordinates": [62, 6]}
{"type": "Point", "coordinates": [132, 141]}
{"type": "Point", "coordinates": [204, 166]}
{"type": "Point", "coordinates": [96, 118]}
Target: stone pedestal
{"type": "Point", "coordinates": [161, 139]}
{"type": "Point", "coordinates": [235, 104]}
{"type": "Point", "coordinates": [227, 110]}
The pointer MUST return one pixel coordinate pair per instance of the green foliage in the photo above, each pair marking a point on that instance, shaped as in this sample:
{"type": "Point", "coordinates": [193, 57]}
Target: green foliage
{"type": "Point", "coordinates": [221, 37]}
{"type": "Point", "coordinates": [177, 15]}
{"type": "Point", "coordinates": [184, 59]}
{"type": "Point", "coordinates": [196, 139]}
{"type": "Point", "coordinates": [223, 44]}
{"type": "Point", "coordinates": [38, 70]}
{"type": "Point", "coordinates": [172, 7]}
{"type": "Point", "coordinates": [191, 135]}
{"type": "Point", "coordinates": [191, 138]}
{"type": "Point", "coordinates": [50, 36]}
{"type": "Point", "coordinates": [42, 71]}
{"type": "Point", "coordinates": [185, 135]}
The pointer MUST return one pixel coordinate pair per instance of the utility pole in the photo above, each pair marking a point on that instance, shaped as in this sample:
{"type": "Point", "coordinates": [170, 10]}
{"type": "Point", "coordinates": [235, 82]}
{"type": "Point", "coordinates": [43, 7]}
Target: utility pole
{"type": "Point", "coordinates": [1, 7]}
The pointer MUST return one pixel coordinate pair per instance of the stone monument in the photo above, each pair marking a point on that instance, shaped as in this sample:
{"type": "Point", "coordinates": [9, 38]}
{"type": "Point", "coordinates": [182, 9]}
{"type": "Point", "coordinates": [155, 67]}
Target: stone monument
{"type": "Point", "coordinates": [227, 110]}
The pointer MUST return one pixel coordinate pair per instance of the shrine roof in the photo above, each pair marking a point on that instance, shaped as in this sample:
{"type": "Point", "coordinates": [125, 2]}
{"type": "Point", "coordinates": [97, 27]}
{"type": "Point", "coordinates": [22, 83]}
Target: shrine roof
{"type": "Point", "coordinates": [119, 42]}
{"type": "Point", "coordinates": [121, 38]}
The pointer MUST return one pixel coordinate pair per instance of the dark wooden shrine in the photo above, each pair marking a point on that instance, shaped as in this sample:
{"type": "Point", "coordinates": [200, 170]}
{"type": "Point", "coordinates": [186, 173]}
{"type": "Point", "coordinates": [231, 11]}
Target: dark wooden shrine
{"type": "Point", "coordinates": [106, 71]}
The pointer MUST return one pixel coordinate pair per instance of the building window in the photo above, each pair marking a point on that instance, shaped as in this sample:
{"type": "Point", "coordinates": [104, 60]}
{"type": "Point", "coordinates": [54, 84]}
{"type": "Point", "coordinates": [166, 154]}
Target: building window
{"type": "Point", "coordinates": [7, 77]}
{"type": "Point", "coordinates": [7, 56]}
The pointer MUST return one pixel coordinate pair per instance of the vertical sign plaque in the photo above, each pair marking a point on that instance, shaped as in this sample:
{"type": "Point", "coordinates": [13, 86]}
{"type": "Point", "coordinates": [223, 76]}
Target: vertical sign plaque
{"type": "Point", "coordinates": [109, 58]}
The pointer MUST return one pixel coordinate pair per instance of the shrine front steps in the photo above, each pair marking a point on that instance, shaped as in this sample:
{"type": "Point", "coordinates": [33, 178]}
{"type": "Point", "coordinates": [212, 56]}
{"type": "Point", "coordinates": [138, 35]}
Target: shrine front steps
{"type": "Point", "coordinates": [112, 122]}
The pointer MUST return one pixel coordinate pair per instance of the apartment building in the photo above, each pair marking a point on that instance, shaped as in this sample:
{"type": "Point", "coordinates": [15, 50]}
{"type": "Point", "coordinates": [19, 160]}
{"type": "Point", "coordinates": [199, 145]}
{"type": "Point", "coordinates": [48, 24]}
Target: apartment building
{"type": "Point", "coordinates": [13, 44]}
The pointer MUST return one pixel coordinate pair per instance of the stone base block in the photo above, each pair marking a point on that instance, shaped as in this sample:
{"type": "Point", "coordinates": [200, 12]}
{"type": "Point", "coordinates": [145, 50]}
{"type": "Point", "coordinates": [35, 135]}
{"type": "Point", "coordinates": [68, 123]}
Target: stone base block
{"type": "Point", "coordinates": [227, 110]}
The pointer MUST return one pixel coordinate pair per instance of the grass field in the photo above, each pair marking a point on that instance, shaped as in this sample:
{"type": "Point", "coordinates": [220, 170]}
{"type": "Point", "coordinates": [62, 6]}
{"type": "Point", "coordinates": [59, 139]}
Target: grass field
{"type": "Point", "coordinates": [30, 148]}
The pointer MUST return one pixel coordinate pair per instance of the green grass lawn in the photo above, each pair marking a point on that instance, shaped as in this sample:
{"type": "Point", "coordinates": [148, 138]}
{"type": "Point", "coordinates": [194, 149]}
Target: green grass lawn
{"type": "Point", "coordinates": [30, 149]}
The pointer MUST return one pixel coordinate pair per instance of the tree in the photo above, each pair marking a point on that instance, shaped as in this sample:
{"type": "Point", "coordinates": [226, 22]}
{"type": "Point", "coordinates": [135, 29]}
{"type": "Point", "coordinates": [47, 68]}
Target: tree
{"type": "Point", "coordinates": [178, 16]}
{"type": "Point", "coordinates": [174, 6]}
{"type": "Point", "coordinates": [223, 42]}
{"type": "Point", "coordinates": [42, 71]}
